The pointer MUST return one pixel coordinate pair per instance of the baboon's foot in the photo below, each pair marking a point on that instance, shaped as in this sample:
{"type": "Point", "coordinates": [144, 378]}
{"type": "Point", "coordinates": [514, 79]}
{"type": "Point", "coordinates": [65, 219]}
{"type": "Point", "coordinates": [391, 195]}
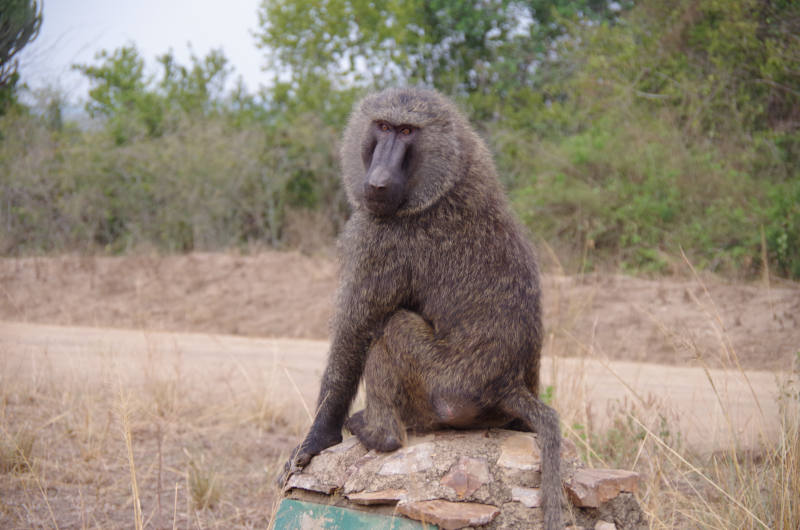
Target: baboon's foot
{"type": "Point", "coordinates": [316, 440]}
{"type": "Point", "coordinates": [355, 423]}
{"type": "Point", "coordinates": [379, 438]}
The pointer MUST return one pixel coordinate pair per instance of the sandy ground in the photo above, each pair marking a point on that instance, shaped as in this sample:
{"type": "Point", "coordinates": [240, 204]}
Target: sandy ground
{"type": "Point", "coordinates": [685, 322]}
{"type": "Point", "coordinates": [739, 406]}
{"type": "Point", "coordinates": [690, 324]}
{"type": "Point", "coordinates": [133, 376]}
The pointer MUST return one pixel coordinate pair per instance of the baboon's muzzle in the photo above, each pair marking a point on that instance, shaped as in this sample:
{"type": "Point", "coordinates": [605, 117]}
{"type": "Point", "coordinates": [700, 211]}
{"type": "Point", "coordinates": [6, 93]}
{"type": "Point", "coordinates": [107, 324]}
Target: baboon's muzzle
{"type": "Point", "coordinates": [387, 177]}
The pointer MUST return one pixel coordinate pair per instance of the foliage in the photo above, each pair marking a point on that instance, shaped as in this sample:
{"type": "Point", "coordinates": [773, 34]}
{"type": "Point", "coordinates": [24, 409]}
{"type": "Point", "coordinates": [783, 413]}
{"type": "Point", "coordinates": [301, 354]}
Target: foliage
{"type": "Point", "coordinates": [228, 186]}
{"type": "Point", "coordinates": [458, 47]}
{"type": "Point", "coordinates": [204, 485]}
{"type": "Point", "coordinates": [624, 133]}
{"type": "Point", "coordinates": [180, 164]}
{"type": "Point", "coordinates": [20, 21]}
{"type": "Point", "coordinates": [16, 452]}
{"type": "Point", "coordinates": [620, 189]}
{"type": "Point", "coordinates": [722, 67]}
{"type": "Point", "coordinates": [136, 105]}
{"type": "Point", "coordinates": [783, 226]}
{"type": "Point", "coordinates": [671, 135]}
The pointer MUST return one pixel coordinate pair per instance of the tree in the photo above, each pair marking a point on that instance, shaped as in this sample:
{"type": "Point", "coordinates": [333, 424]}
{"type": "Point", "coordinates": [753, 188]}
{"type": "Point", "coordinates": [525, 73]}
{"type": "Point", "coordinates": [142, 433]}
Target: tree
{"type": "Point", "coordinates": [120, 94]}
{"type": "Point", "coordinates": [20, 21]}
{"type": "Point", "coordinates": [491, 53]}
{"type": "Point", "coordinates": [195, 89]}
{"type": "Point", "coordinates": [446, 43]}
{"type": "Point", "coordinates": [433, 42]}
{"type": "Point", "coordinates": [135, 104]}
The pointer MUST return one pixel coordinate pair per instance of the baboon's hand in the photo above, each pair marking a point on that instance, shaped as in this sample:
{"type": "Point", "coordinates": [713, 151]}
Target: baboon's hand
{"type": "Point", "coordinates": [315, 442]}
{"type": "Point", "coordinates": [290, 467]}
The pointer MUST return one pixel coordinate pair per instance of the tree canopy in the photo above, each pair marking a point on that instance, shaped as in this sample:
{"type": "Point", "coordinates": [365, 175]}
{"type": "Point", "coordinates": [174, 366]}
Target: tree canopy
{"type": "Point", "coordinates": [20, 21]}
{"type": "Point", "coordinates": [624, 132]}
{"type": "Point", "coordinates": [452, 45]}
{"type": "Point", "coordinates": [134, 103]}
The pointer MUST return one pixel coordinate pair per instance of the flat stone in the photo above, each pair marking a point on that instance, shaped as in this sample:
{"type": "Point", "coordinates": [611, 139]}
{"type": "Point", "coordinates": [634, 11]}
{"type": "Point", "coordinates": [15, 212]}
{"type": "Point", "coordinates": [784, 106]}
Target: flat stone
{"type": "Point", "coordinates": [310, 483]}
{"type": "Point", "coordinates": [411, 459]}
{"type": "Point", "coordinates": [495, 469]}
{"type": "Point", "coordinates": [324, 473]}
{"type": "Point", "coordinates": [416, 439]}
{"type": "Point", "coordinates": [530, 497]}
{"type": "Point", "coordinates": [449, 515]}
{"type": "Point", "coordinates": [520, 451]}
{"type": "Point", "coordinates": [604, 525]}
{"type": "Point", "coordinates": [356, 466]}
{"type": "Point", "coordinates": [390, 496]}
{"type": "Point", "coordinates": [593, 487]}
{"type": "Point", "coordinates": [466, 476]}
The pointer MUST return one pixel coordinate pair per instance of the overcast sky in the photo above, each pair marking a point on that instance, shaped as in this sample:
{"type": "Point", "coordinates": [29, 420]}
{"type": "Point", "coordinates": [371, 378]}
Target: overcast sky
{"type": "Point", "coordinates": [73, 31]}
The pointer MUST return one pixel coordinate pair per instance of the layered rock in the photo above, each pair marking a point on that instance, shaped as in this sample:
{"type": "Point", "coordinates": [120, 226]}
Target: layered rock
{"type": "Point", "coordinates": [456, 479]}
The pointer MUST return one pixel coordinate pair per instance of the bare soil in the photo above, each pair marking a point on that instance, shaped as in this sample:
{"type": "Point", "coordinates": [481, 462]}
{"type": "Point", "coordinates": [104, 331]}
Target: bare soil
{"type": "Point", "coordinates": [677, 321]}
{"type": "Point", "coordinates": [96, 421]}
{"type": "Point", "coordinates": [114, 419]}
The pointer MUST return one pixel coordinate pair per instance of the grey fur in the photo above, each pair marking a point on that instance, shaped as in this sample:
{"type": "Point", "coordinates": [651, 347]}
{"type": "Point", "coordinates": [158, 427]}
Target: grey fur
{"type": "Point", "coordinates": [439, 306]}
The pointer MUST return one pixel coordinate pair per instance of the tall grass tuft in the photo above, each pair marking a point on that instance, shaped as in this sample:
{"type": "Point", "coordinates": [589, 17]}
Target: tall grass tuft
{"type": "Point", "coordinates": [204, 485]}
{"type": "Point", "coordinates": [751, 486]}
{"type": "Point", "coordinates": [16, 452]}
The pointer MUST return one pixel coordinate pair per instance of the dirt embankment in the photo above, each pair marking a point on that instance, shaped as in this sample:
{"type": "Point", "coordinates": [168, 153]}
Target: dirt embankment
{"type": "Point", "coordinates": [284, 294]}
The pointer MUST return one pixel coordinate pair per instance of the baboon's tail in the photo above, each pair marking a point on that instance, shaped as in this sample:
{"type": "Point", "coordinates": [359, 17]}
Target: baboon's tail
{"type": "Point", "coordinates": [542, 420]}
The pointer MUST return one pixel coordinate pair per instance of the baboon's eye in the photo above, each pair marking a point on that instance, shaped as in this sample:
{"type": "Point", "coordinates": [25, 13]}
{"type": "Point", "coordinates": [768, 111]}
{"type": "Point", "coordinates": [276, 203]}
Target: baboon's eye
{"type": "Point", "coordinates": [384, 126]}
{"type": "Point", "coordinates": [405, 131]}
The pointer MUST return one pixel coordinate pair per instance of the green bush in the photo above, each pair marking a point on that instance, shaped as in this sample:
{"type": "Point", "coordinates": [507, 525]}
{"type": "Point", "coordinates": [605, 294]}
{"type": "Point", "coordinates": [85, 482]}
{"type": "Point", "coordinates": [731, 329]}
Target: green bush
{"type": "Point", "coordinates": [206, 185]}
{"type": "Point", "coordinates": [624, 134]}
{"type": "Point", "coordinates": [681, 133]}
{"type": "Point", "coordinates": [631, 191]}
{"type": "Point", "coordinates": [782, 220]}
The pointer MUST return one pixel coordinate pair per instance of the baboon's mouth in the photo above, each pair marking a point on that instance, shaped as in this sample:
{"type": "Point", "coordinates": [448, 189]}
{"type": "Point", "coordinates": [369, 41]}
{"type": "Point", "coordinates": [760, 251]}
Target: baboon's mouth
{"type": "Point", "coordinates": [383, 208]}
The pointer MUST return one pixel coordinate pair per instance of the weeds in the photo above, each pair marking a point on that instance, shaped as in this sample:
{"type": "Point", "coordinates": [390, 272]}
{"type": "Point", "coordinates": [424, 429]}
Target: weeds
{"type": "Point", "coordinates": [68, 466]}
{"type": "Point", "coordinates": [751, 482]}
{"type": "Point", "coordinates": [203, 436]}
{"type": "Point", "coordinates": [126, 429]}
{"type": "Point", "coordinates": [16, 452]}
{"type": "Point", "coordinates": [203, 483]}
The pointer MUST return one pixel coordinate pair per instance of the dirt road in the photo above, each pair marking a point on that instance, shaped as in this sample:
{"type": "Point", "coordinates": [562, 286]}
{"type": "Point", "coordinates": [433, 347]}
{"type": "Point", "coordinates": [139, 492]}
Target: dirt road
{"type": "Point", "coordinates": [152, 374]}
{"type": "Point", "coordinates": [685, 321]}
{"type": "Point", "coordinates": [738, 405]}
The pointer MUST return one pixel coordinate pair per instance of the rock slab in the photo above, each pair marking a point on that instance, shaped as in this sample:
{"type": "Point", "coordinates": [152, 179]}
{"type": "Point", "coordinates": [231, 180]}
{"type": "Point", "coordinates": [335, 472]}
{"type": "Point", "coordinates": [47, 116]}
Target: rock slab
{"type": "Point", "coordinates": [593, 487]}
{"type": "Point", "coordinates": [455, 479]}
{"type": "Point", "coordinates": [449, 515]}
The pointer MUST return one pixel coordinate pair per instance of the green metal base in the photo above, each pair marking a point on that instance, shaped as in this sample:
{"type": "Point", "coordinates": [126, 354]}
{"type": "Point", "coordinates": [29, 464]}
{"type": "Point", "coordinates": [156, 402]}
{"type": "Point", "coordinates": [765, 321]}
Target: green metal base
{"type": "Point", "coordinates": [301, 515]}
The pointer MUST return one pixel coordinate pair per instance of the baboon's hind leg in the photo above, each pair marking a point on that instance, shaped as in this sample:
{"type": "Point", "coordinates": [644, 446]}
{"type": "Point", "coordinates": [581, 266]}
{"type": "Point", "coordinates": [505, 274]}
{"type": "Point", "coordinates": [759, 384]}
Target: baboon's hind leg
{"type": "Point", "coordinates": [378, 426]}
{"type": "Point", "coordinates": [395, 391]}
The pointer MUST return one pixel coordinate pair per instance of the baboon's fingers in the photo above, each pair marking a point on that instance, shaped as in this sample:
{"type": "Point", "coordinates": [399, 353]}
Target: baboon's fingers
{"type": "Point", "coordinates": [302, 460]}
{"type": "Point", "coordinates": [289, 468]}
{"type": "Point", "coordinates": [299, 459]}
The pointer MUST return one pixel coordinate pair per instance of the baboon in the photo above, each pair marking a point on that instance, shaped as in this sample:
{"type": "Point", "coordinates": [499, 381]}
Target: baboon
{"type": "Point", "coordinates": [439, 302]}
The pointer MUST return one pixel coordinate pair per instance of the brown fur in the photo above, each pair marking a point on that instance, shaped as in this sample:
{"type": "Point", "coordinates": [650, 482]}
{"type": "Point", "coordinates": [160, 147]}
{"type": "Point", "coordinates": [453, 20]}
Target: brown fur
{"type": "Point", "coordinates": [439, 304]}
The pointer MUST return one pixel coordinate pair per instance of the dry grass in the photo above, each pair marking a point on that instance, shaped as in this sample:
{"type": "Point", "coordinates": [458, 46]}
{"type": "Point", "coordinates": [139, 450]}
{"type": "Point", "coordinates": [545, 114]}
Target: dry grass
{"type": "Point", "coordinates": [742, 485]}
{"type": "Point", "coordinates": [151, 442]}
{"type": "Point", "coordinates": [156, 440]}
{"type": "Point", "coordinates": [15, 452]}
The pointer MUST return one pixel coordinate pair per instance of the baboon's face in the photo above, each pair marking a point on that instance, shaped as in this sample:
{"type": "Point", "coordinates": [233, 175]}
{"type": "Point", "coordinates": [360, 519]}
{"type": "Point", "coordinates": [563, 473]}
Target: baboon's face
{"type": "Point", "coordinates": [388, 156]}
{"type": "Point", "coordinates": [402, 151]}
